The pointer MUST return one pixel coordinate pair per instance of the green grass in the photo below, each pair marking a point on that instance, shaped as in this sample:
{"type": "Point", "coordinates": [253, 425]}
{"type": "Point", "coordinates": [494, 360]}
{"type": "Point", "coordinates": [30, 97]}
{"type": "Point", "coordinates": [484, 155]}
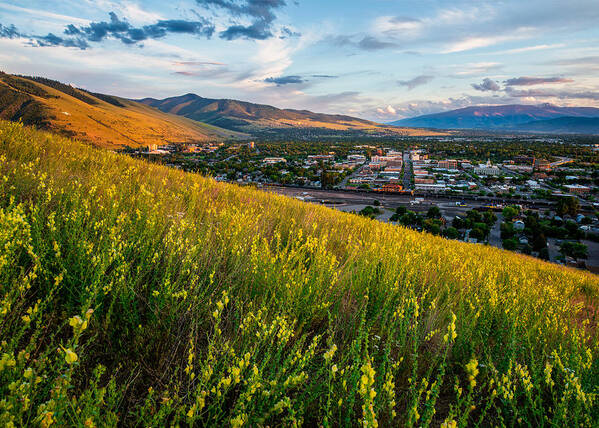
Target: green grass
{"type": "Point", "coordinates": [133, 294]}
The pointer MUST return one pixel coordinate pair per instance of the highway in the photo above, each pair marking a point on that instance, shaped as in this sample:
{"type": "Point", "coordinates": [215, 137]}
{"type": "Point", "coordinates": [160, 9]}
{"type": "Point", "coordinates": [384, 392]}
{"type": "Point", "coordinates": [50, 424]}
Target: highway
{"type": "Point", "coordinates": [395, 200]}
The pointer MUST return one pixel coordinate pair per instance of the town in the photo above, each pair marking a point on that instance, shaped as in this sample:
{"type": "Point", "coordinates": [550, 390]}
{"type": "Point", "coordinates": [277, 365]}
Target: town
{"type": "Point", "coordinates": [535, 195]}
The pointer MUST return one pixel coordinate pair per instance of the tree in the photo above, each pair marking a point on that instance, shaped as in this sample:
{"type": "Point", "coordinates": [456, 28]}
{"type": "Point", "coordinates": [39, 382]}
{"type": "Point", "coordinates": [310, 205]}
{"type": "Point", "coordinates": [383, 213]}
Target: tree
{"type": "Point", "coordinates": [432, 226]}
{"type": "Point", "coordinates": [510, 212]}
{"type": "Point", "coordinates": [433, 212]}
{"type": "Point", "coordinates": [451, 233]}
{"type": "Point", "coordinates": [458, 222]}
{"type": "Point", "coordinates": [507, 230]}
{"type": "Point", "coordinates": [489, 218]}
{"type": "Point", "coordinates": [410, 218]}
{"type": "Point", "coordinates": [510, 244]}
{"type": "Point", "coordinates": [539, 242]}
{"type": "Point", "coordinates": [477, 234]}
{"type": "Point", "coordinates": [568, 205]}
{"type": "Point", "coordinates": [377, 203]}
{"type": "Point", "coordinates": [575, 250]}
{"type": "Point", "coordinates": [401, 210]}
{"type": "Point", "coordinates": [544, 253]}
{"type": "Point", "coordinates": [483, 227]}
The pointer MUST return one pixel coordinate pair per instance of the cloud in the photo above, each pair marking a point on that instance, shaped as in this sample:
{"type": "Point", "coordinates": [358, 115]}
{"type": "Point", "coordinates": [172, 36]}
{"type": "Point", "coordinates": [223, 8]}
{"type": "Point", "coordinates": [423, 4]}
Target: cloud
{"type": "Point", "coordinates": [587, 60]}
{"type": "Point", "coordinates": [370, 43]}
{"type": "Point", "coordinates": [325, 76]}
{"type": "Point", "coordinates": [416, 81]}
{"type": "Point", "coordinates": [547, 93]}
{"type": "Point", "coordinates": [474, 68]}
{"type": "Point", "coordinates": [261, 12]}
{"type": "Point", "coordinates": [470, 43]}
{"type": "Point", "coordinates": [53, 40]}
{"type": "Point", "coordinates": [199, 63]}
{"type": "Point", "coordinates": [529, 49]}
{"type": "Point", "coordinates": [487, 85]}
{"type": "Point", "coordinates": [530, 81]}
{"type": "Point", "coordinates": [388, 111]}
{"type": "Point", "coordinates": [285, 80]}
{"type": "Point", "coordinates": [367, 43]}
{"type": "Point", "coordinates": [126, 33]}
{"type": "Point", "coordinates": [9, 32]}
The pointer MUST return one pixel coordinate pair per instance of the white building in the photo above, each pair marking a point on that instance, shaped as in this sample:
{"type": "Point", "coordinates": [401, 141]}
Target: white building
{"type": "Point", "coordinates": [487, 169]}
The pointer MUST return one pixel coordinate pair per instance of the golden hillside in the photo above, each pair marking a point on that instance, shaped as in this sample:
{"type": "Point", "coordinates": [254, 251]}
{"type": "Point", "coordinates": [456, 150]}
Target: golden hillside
{"type": "Point", "coordinates": [104, 121]}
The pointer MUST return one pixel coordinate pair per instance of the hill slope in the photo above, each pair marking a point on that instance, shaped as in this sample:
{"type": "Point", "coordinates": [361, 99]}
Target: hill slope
{"type": "Point", "coordinates": [248, 117]}
{"type": "Point", "coordinates": [498, 117]}
{"type": "Point", "coordinates": [137, 295]}
{"type": "Point", "coordinates": [103, 120]}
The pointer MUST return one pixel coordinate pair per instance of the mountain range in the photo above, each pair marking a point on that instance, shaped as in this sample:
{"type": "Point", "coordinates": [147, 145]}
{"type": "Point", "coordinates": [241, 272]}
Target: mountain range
{"type": "Point", "coordinates": [116, 122]}
{"type": "Point", "coordinates": [250, 118]}
{"type": "Point", "coordinates": [540, 118]}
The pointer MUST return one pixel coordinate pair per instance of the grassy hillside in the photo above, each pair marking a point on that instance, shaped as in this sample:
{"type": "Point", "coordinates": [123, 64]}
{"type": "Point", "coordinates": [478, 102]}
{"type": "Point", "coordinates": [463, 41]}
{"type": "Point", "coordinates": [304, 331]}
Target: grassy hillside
{"type": "Point", "coordinates": [138, 295]}
{"type": "Point", "coordinates": [249, 117]}
{"type": "Point", "coordinates": [102, 120]}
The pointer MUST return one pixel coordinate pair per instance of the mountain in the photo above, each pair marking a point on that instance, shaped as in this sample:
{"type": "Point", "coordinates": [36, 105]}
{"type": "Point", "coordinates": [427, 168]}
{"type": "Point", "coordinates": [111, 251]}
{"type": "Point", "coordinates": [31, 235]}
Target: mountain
{"type": "Point", "coordinates": [507, 117]}
{"type": "Point", "coordinates": [248, 117]}
{"type": "Point", "coordinates": [102, 120]}
{"type": "Point", "coordinates": [563, 125]}
{"type": "Point", "coordinates": [168, 298]}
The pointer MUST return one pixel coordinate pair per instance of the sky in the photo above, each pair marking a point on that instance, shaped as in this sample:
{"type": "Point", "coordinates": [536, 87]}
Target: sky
{"type": "Point", "coordinates": [377, 59]}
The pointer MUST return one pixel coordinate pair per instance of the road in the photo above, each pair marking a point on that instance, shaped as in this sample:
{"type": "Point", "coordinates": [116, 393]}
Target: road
{"type": "Point", "coordinates": [344, 182]}
{"type": "Point", "coordinates": [495, 234]}
{"type": "Point", "coordinates": [407, 171]}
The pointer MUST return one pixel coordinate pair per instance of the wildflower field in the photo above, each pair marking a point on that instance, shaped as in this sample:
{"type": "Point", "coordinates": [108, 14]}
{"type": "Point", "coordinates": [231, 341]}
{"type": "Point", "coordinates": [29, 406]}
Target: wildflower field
{"type": "Point", "coordinates": [132, 294]}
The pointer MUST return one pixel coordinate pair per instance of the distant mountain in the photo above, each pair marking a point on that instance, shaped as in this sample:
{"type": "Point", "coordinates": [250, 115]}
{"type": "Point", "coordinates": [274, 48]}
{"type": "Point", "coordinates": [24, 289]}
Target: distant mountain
{"type": "Point", "coordinates": [103, 120]}
{"type": "Point", "coordinates": [248, 117]}
{"type": "Point", "coordinates": [563, 125]}
{"type": "Point", "coordinates": [507, 117]}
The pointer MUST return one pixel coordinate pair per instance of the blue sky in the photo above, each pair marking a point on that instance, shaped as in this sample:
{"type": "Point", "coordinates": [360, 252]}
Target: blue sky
{"type": "Point", "coordinates": [377, 59]}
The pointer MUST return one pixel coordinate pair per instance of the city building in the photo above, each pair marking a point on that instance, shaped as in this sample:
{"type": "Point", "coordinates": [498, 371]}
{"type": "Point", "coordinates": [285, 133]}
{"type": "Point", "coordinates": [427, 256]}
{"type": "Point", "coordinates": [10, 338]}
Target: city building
{"type": "Point", "coordinates": [356, 158]}
{"type": "Point", "coordinates": [577, 189]}
{"type": "Point", "coordinates": [431, 187]}
{"type": "Point", "coordinates": [448, 164]}
{"type": "Point", "coordinates": [487, 169]}
{"type": "Point", "coordinates": [272, 161]}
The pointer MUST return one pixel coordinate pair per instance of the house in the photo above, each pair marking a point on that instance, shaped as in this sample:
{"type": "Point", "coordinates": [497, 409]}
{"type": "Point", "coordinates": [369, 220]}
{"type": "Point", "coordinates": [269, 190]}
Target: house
{"type": "Point", "coordinates": [519, 225]}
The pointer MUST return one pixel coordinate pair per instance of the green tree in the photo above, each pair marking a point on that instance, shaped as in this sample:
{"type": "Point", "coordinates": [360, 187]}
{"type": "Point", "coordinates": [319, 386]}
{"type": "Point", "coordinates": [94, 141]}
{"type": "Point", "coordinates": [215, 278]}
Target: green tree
{"type": "Point", "coordinates": [433, 212]}
{"type": "Point", "coordinates": [510, 212]}
{"type": "Point", "coordinates": [510, 244]}
{"type": "Point", "coordinates": [477, 234]}
{"type": "Point", "coordinates": [451, 233]}
{"type": "Point", "coordinates": [575, 250]}
{"type": "Point", "coordinates": [568, 205]}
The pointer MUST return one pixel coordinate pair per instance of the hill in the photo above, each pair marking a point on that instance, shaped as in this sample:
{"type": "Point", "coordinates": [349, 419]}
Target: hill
{"type": "Point", "coordinates": [103, 120]}
{"type": "Point", "coordinates": [133, 294]}
{"type": "Point", "coordinates": [501, 117]}
{"type": "Point", "coordinates": [248, 117]}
